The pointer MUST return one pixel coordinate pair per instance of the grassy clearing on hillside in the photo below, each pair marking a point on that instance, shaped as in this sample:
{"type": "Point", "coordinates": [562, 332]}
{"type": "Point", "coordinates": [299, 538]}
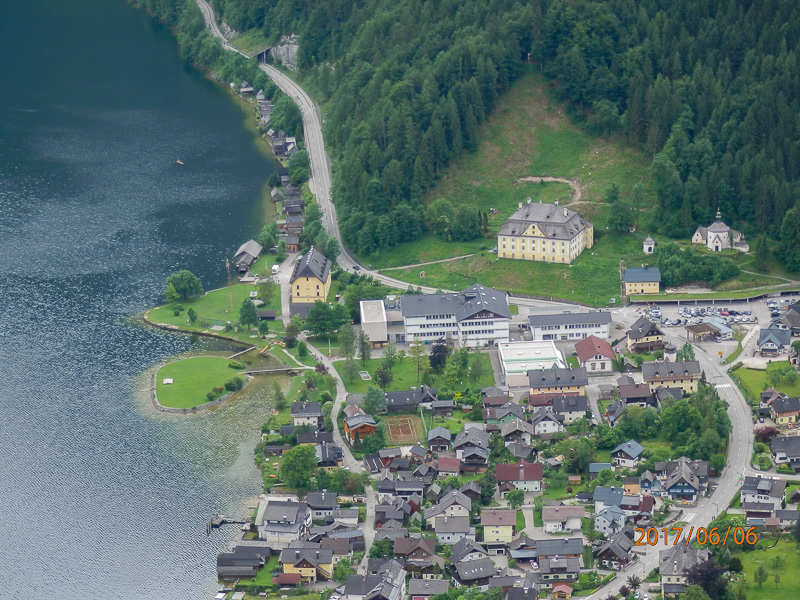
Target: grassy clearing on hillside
{"type": "Point", "coordinates": [528, 134]}
{"type": "Point", "coordinates": [592, 279]}
{"type": "Point", "coordinates": [250, 42]}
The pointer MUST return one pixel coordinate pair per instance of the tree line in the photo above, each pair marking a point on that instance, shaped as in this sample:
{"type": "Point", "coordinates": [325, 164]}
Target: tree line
{"type": "Point", "coordinates": [710, 89]}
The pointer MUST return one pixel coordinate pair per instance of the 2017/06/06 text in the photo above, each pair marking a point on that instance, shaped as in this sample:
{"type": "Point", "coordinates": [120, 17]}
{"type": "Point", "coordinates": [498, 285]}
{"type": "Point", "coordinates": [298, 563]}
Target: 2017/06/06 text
{"type": "Point", "coordinates": [703, 536]}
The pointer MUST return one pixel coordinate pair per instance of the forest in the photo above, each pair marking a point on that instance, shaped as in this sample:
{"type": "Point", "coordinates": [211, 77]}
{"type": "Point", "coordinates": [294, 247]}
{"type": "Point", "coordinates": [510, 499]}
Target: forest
{"type": "Point", "coordinates": [710, 89]}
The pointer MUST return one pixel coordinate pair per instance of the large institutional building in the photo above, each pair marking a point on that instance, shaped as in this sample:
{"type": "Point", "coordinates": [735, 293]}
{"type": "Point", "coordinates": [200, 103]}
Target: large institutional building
{"type": "Point", "coordinates": [476, 316]}
{"type": "Point", "coordinates": [544, 232]}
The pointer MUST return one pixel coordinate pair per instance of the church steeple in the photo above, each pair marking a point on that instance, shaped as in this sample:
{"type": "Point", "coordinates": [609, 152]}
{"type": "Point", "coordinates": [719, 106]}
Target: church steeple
{"type": "Point", "coordinates": [719, 215]}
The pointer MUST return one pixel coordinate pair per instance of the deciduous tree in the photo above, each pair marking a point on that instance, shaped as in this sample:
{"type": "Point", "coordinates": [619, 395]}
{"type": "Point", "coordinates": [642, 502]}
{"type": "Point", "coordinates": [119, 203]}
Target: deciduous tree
{"type": "Point", "coordinates": [247, 313]}
{"type": "Point", "coordinates": [185, 283]}
{"type": "Point", "coordinates": [298, 465]}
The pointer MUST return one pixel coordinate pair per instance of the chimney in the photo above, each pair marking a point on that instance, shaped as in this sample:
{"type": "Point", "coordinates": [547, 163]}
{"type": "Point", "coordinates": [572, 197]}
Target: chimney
{"type": "Point", "coordinates": [520, 205]}
{"type": "Point", "coordinates": [565, 211]}
{"type": "Point", "coordinates": [529, 200]}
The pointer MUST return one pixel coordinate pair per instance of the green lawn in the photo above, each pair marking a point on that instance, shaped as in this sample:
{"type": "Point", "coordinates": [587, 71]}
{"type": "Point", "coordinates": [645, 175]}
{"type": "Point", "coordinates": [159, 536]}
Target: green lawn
{"type": "Point", "coordinates": [193, 378]}
{"type": "Point", "coordinates": [572, 361]}
{"type": "Point", "coordinates": [526, 135]}
{"type": "Point", "coordinates": [789, 571]}
{"type": "Point", "coordinates": [592, 279]}
{"type": "Point", "coordinates": [455, 423]}
{"type": "Point", "coordinates": [405, 376]}
{"type": "Point", "coordinates": [754, 380]}
{"type": "Point", "coordinates": [250, 42]}
{"type": "Point", "coordinates": [520, 521]}
{"type": "Point", "coordinates": [264, 576]}
{"type": "Point", "coordinates": [214, 309]}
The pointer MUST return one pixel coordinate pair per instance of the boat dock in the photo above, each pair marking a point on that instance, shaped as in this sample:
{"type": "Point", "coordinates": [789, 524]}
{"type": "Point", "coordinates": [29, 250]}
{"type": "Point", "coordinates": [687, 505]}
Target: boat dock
{"type": "Point", "coordinates": [219, 520]}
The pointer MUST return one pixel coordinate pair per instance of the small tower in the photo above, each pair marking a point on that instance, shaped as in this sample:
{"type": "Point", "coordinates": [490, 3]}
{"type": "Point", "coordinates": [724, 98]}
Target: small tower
{"type": "Point", "coordinates": [719, 215]}
{"type": "Point", "coordinates": [648, 245]}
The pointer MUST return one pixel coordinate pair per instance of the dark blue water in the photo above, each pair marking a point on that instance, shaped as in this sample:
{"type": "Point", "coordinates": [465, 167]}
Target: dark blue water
{"type": "Point", "coordinates": [99, 496]}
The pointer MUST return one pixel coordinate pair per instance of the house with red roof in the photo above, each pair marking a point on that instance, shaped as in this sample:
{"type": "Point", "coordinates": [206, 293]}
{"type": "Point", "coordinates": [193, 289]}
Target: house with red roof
{"type": "Point", "coordinates": [448, 466]}
{"type": "Point", "coordinates": [595, 355]}
{"type": "Point", "coordinates": [523, 475]}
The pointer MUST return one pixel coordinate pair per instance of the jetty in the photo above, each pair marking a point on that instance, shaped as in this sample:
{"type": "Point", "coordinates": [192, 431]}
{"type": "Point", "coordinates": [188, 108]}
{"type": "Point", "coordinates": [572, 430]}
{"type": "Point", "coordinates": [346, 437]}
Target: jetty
{"type": "Point", "coordinates": [219, 520]}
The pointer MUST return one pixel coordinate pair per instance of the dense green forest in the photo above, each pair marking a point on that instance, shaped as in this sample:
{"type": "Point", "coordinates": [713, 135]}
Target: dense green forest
{"type": "Point", "coordinates": [709, 88]}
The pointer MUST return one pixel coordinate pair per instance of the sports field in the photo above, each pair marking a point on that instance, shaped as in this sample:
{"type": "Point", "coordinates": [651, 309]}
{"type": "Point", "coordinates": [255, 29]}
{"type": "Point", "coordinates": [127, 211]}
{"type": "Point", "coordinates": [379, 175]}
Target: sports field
{"type": "Point", "coordinates": [403, 430]}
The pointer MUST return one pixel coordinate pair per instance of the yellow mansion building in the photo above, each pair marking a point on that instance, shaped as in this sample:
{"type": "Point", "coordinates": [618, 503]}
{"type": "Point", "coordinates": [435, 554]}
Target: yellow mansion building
{"type": "Point", "coordinates": [544, 232]}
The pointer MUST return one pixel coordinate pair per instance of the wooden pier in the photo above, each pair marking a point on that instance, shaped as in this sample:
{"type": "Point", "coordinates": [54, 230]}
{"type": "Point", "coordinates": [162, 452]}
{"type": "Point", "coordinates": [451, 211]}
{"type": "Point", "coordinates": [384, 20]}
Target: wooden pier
{"type": "Point", "coordinates": [219, 520]}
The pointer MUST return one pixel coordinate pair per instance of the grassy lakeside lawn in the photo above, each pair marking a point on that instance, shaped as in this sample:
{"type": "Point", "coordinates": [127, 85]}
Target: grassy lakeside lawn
{"type": "Point", "coordinates": [789, 571]}
{"type": "Point", "coordinates": [755, 380]}
{"type": "Point", "coordinates": [214, 308]}
{"type": "Point", "coordinates": [592, 279]}
{"type": "Point", "coordinates": [405, 376]}
{"type": "Point", "coordinates": [193, 379]}
{"type": "Point", "coordinates": [528, 134]}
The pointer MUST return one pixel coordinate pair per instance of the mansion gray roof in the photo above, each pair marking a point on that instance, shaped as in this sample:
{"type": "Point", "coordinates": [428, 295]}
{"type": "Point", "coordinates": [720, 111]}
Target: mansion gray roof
{"type": "Point", "coordinates": [598, 317]}
{"type": "Point", "coordinates": [565, 404]}
{"type": "Point", "coordinates": [790, 445]}
{"type": "Point", "coordinates": [644, 274]}
{"type": "Point", "coordinates": [554, 221]}
{"type": "Point", "coordinates": [428, 587]}
{"type": "Point", "coordinates": [463, 305]}
{"type": "Point", "coordinates": [558, 376]}
{"type": "Point", "coordinates": [306, 409]}
{"type": "Point", "coordinates": [312, 264]}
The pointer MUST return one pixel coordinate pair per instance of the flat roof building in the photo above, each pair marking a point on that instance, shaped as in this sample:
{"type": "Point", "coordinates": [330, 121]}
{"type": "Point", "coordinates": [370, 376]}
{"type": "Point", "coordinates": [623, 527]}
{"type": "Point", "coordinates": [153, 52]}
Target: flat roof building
{"type": "Point", "coordinates": [373, 320]}
{"type": "Point", "coordinates": [517, 358]}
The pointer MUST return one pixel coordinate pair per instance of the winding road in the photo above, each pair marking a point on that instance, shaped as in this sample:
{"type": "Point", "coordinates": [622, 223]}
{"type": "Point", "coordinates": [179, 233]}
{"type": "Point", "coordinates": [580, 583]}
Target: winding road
{"type": "Point", "coordinates": [741, 440]}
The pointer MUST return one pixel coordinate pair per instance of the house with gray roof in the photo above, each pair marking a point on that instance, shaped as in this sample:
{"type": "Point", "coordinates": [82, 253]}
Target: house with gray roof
{"type": "Point", "coordinates": [674, 565]}
{"type": "Point", "coordinates": [615, 552]}
{"type": "Point", "coordinates": [786, 450]}
{"type": "Point", "coordinates": [610, 520]}
{"type": "Point", "coordinates": [544, 233]}
{"type": "Point", "coordinates": [476, 316]}
{"type": "Point", "coordinates": [466, 550]}
{"type": "Point", "coordinates": [558, 380]}
{"type": "Point", "coordinates": [472, 437]}
{"type": "Point", "coordinates": [684, 375]}
{"type": "Point", "coordinates": [280, 522]}
{"type": "Point", "coordinates": [606, 496]}
{"type": "Point", "coordinates": [595, 468]}
{"type": "Point", "coordinates": [246, 255]}
{"type": "Point", "coordinates": [773, 341]}
{"type": "Point", "coordinates": [450, 530]}
{"type": "Point", "coordinates": [563, 547]}
{"type": "Point", "coordinates": [473, 572]}
{"type": "Point", "coordinates": [439, 439]}
{"type": "Point", "coordinates": [570, 408]}
{"type": "Point", "coordinates": [412, 399]}
{"type": "Point", "coordinates": [569, 325]}
{"type": "Point", "coordinates": [423, 589]}
{"type": "Point", "coordinates": [641, 280]}
{"type": "Point", "coordinates": [628, 454]}
{"type": "Point", "coordinates": [644, 335]}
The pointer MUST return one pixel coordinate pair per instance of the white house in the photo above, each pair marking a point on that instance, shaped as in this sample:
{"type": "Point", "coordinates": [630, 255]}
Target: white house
{"type": "Point", "coordinates": [546, 422]}
{"type": "Point", "coordinates": [567, 325]}
{"type": "Point", "coordinates": [522, 475]}
{"type": "Point", "coordinates": [476, 316]}
{"type": "Point", "coordinates": [762, 490]}
{"type": "Point", "coordinates": [450, 530]}
{"type": "Point", "coordinates": [609, 520]}
{"type": "Point", "coordinates": [557, 519]}
{"type": "Point", "coordinates": [595, 355]}
{"type": "Point", "coordinates": [627, 455]}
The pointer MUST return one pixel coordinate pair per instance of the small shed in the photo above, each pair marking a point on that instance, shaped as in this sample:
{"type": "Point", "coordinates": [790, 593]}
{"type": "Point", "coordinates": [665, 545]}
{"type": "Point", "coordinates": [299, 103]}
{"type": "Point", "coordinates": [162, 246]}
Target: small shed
{"type": "Point", "coordinates": [266, 315]}
{"type": "Point", "coordinates": [574, 480]}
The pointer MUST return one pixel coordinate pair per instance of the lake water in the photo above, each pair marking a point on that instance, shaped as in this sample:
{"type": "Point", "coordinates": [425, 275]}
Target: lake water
{"type": "Point", "coordinates": [101, 496]}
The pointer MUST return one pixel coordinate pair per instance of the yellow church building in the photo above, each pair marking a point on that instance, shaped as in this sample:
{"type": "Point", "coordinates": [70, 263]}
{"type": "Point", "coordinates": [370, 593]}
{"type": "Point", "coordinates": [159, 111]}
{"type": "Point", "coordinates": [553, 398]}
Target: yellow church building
{"type": "Point", "coordinates": [545, 233]}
